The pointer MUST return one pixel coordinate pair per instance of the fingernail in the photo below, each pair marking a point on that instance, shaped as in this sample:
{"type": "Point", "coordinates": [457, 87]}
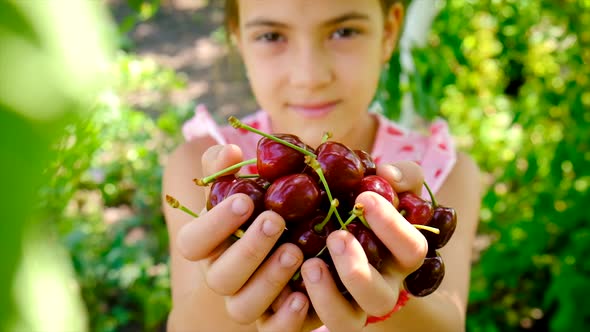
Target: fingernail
{"type": "Point", "coordinates": [287, 260]}
{"type": "Point", "coordinates": [219, 150]}
{"type": "Point", "coordinates": [270, 228]}
{"type": "Point", "coordinates": [337, 246]}
{"type": "Point", "coordinates": [239, 206]}
{"type": "Point", "coordinates": [313, 273]}
{"type": "Point", "coordinates": [217, 154]}
{"type": "Point", "coordinates": [396, 174]}
{"type": "Point", "coordinates": [296, 304]}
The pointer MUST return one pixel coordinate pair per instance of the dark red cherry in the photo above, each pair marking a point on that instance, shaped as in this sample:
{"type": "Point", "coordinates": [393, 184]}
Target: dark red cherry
{"type": "Point", "coordinates": [294, 196]}
{"type": "Point", "coordinates": [374, 249]}
{"type": "Point", "coordinates": [368, 162]}
{"type": "Point", "coordinates": [445, 219]}
{"type": "Point", "coordinates": [342, 168]}
{"type": "Point", "coordinates": [379, 185]}
{"type": "Point", "coordinates": [262, 182]}
{"type": "Point", "coordinates": [346, 202]}
{"type": "Point", "coordinates": [324, 199]}
{"type": "Point", "coordinates": [309, 236]}
{"type": "Point", "coordinates": [428, 277]}
{"type": "Point", "coordinates": [254, 191]}
{"type": "Point", "coordinates": [219, 190]}
{"type": "Point", "coordinates": [275, 159]}
{"type": "Point", "coordinates": [415, 209]}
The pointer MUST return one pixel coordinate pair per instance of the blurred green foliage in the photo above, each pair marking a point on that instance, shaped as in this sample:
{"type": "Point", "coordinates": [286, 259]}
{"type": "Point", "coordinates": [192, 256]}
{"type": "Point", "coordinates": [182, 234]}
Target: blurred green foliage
{"type": "Point", "coordinates": [512, 79]}
{"type": "Point", "coordinates": [45, 86]}
{"type": "Point", "coordinates": [109, 173]}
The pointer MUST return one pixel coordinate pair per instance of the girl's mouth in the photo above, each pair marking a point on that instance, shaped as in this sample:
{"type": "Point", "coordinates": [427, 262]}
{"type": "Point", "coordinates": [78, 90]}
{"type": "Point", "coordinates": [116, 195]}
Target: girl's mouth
{"type": "Point", "coordinates": [314, 110]}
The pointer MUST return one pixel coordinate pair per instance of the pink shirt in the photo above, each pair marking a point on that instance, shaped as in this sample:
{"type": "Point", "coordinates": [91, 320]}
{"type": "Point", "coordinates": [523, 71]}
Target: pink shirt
{"type": "Point", "coordinates": [434, 150]}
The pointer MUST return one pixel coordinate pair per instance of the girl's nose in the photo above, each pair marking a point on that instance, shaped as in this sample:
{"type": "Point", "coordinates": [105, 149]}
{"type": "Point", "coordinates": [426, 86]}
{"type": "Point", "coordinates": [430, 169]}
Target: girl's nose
{"type": "Point", "coordinates": [310, 68]}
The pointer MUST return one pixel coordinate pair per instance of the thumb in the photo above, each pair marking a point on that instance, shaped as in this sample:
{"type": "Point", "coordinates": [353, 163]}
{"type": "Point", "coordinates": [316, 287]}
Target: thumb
{"type": "Point", "coordinates": [403, 176]}
{"type": "Point", "coordinates": [219, 157]}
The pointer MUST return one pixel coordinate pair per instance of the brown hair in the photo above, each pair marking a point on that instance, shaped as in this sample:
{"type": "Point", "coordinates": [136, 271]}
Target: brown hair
{"type": "Point", "coordinates": [232, 19]}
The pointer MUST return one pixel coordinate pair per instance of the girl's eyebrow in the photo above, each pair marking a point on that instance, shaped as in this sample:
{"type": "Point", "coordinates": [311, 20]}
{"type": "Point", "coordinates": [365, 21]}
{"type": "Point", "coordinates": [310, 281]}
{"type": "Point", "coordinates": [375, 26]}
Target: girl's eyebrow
{"type": "Point", "coordinates": [257, 22]}
{"type": "Point", "coordinates": [347, 17]}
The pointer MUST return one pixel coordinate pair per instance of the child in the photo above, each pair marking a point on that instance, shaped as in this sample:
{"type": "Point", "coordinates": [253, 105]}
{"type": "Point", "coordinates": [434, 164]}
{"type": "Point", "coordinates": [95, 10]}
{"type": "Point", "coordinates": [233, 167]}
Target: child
{"type": "Point", "coordinates": [314, 67]}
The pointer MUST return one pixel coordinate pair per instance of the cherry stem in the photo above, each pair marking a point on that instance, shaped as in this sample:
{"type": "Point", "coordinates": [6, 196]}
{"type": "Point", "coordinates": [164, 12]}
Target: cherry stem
{"type": "Point", "coordinates": [434, 202]}
{"type": "Point", "coordinates": [324, 248]}
{"type": "Point", "coordinates": [333, 205]}
{"type": "Point", "coordinates": [236, 123]}
{"type": "Point", "coordinates": [313, 162]}
{"type": "Point", "coordinates": [208, 179]}
{"type": "Point", "coordinates": [359, 210]}
{"type": "Point", "coordinates": [427, 228]}
{"type": "Point", "coordinates": [350, 219]}
{"type": "Point", "coordinates": [249, 176]}
{"type": "Point", "coordinates": [326, 137]}
{"type": "Point", "coordinates": [174, 203]}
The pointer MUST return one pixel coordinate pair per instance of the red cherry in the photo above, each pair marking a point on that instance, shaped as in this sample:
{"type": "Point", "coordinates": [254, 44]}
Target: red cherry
{"type": "Point", "coordinates": [374, 249]}
{"type": "Point", "coordinates": [307, 236]}
{"type": "Point", "coordinates": [324, 199]}
{"type": "Point", "coordinates": [368, 162]}
{"type": "Point", "coordinates": [445, 219]}
{"type": "Point", "coordinates": [262, 182]}
{"type": "Point", "coordinates": [428, 277]}
{"type": "Point", "coordinates": [254, 191]}
{"type": "Point", "coordinates": [294, 196]}
{"type": "Point", "coordinates": [379, 185]}
{"type": "Point", "coordinates": [342, 168]}
{"type": "Point", "coordinates": [219, 190]}
{"type": "Point", "coordinates": [275, 159]}
{"type": "Point", "coordinates": [415, 209]}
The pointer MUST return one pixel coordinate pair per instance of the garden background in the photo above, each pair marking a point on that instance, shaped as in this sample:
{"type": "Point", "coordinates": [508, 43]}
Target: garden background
{"type": "Point", "coordinates": [93, 94]}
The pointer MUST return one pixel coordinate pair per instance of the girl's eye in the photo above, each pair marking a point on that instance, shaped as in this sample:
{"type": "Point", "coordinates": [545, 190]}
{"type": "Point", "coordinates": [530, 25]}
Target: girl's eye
{"type": "Point", "coordinates": [345, 33]}
{"type": "Point", "coordinates": [270, 37]}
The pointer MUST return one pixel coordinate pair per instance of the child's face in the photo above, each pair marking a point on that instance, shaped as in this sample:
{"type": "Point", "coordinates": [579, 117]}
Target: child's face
{"type": "Point", "coordinates": [314, 65]}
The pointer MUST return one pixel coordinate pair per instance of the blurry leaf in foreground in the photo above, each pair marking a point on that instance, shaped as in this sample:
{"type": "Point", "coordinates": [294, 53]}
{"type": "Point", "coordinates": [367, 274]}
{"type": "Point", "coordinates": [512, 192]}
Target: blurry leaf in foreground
{"type": "Point", "coordinates": [45, 285]}
{"type": "Point", "coordinates": [53, 57]}
{"type": "Point", "coordinates": [52, 52]}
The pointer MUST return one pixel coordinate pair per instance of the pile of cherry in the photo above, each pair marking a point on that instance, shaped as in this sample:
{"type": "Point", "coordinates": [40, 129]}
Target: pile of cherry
{"type": "Point", "coordinates": [314, 190]}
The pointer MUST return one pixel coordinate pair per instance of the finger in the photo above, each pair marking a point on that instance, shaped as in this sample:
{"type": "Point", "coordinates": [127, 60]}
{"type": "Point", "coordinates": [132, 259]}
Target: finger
{"type": "Point", "coordinates": [198, 238]}
{"type": "Point", "coordinates": [219, 157]}
{"type": "Point", "coordinates": [403, 176]}
{"type": "Point", "coordinates": [289, 317]}
{"type": "Point", "coordinates": [265, 285]}
{"type": "Point", "coordinates": [312, 321]}
{"type": "Point", "coordinates": [281, 298]}
{"type": "Point", "coordinates": [370, 290]}
{"type": "Point", "coordinates": [404, 241]}
{"type": "Point", "coordinates": [329, 304]}
{"type": "Point", "coordinates": [237, 264]}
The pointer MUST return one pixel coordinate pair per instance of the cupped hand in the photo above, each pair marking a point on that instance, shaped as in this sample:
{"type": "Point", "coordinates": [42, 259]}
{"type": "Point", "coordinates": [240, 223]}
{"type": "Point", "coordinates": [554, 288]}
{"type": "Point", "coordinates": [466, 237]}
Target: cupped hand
{"type": "Point", "coordinates": [248, 273]}
{"type": "Point", "coordinates": [375, 293]}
